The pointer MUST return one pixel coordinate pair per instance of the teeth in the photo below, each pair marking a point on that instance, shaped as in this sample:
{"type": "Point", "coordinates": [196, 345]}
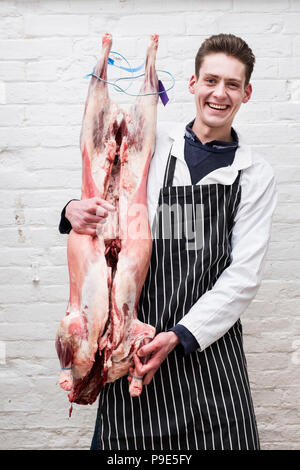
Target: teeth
{"type": "Point", "coordinates": [216, 106]}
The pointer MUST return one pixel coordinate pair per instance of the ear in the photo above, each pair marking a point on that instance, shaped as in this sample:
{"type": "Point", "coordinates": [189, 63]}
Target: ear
{"type": "Point", "coordinates": [192, 84]}
{"type": "Point", "coordinates": [247, 93]}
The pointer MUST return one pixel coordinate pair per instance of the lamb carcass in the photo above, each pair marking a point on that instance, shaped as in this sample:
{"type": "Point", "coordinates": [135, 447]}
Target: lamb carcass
{"type": "Point", "coordinates": [100, 332]}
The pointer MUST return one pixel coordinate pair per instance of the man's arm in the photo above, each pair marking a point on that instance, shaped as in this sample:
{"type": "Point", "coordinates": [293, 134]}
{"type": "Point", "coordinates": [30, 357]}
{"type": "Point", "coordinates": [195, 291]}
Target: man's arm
{"type": "Point", "coordinates": [219, 308]}
{"type": "Point", "coordinates": [83, 216]}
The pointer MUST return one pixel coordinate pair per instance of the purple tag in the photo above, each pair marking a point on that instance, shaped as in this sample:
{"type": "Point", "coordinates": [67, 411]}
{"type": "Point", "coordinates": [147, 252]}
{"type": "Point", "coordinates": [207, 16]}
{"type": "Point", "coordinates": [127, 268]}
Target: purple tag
{"type": "Point", "coordinates": [163, 96]}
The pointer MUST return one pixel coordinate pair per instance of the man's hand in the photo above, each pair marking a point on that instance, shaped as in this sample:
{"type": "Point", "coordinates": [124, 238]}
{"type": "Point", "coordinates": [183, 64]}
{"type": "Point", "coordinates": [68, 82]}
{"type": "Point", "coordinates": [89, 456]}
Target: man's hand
{"type": "Point", "coordinates": [84, 215]}
{"type": "Point", "coordinates": [158, 348]}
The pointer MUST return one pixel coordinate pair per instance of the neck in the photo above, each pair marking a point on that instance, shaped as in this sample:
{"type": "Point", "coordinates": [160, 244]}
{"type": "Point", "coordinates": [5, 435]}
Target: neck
{"type": "Point", "coordinates": [207, 134]}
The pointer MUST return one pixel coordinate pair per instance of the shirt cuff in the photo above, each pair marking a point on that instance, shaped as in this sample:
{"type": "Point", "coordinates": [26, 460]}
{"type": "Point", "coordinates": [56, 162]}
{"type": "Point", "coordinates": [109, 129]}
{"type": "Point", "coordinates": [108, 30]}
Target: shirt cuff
{"type": "Point", "coordinates": [186, 338]}
{"type": "Point", "coordinates": [64, 225]}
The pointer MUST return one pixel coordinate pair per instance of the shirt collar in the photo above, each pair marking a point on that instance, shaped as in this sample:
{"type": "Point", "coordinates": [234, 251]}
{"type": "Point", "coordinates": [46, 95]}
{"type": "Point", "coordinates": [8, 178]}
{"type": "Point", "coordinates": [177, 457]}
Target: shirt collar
{"type": "Point", "coordinates": [213, 145]}
{"type": "Point", "coordinates": [243, 155]}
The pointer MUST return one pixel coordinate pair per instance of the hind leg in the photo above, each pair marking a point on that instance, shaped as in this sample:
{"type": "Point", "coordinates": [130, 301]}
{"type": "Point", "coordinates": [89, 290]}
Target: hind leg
{"type": "Point", "coordinates": [78, 333]}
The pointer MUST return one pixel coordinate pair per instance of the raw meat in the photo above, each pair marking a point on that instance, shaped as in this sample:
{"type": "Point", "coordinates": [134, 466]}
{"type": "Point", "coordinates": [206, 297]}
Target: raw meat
{"type": "Point", "coordinates": [97, 338]}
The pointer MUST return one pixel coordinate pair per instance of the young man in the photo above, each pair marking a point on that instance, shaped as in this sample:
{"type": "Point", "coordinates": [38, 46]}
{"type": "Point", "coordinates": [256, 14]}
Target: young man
{"type": "Point", "coordinates": [197, 394]}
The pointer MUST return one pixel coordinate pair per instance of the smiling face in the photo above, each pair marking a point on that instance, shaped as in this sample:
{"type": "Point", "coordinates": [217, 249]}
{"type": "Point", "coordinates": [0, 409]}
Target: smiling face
{"type": "Point", "coordinates": [219, 92]}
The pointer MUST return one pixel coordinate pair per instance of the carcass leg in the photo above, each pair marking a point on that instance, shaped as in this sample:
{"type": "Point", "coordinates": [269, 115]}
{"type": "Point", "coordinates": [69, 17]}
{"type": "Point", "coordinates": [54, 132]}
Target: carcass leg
{"type": "Point", "coordinates": [87, 314]}
{"type": "Point", "coordinates": [144, 115]}
{"type": "Point", "coordinates": [127, 332]}
{"type": "Point", "coordinates": [136, 151]}
{"type": "Point", "coordinates": [79, 331]}
{"type": "Point", "coordinates": [97, 139]}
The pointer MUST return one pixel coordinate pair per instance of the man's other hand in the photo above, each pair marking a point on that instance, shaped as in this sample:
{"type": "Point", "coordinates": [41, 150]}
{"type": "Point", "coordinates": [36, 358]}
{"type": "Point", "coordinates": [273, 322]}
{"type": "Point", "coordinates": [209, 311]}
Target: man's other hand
{"type": "Point", "coordinates": [84, 215]}
{"type": "Point", "coordinates": [157, 349]}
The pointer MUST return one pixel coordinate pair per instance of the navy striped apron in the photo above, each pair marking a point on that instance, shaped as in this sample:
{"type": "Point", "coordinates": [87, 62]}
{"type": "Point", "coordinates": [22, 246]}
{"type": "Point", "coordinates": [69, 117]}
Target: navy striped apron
{"type": "Point", "coordinates": [201, 400]}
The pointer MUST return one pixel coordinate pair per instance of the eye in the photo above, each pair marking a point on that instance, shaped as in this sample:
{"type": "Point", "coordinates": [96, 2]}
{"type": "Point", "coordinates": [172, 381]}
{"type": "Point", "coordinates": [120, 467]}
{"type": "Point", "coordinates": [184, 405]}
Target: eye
{"type": "Point", "coordinates": [210, 80]}
{"type": "Point", "coordinates": [234, 85]}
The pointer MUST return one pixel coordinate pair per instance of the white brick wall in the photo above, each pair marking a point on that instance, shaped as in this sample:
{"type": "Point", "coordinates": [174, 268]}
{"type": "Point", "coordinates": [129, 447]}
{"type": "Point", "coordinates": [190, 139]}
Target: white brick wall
{"type": "Point", "coordinates": [46, 47]}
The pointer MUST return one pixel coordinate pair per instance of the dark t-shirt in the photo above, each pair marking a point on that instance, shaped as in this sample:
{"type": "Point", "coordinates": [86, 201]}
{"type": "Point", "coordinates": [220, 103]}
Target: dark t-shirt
{"type": "Point", "coordinates": [202, 159]}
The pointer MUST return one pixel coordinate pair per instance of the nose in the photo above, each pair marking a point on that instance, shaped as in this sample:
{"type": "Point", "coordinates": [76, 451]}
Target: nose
{"type": "Point", "coordinates": [220, 90]}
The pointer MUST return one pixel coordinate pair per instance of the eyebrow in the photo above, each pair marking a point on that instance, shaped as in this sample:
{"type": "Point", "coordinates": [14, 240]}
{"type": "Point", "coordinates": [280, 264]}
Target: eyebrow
{"type": "Point", "coordinates": [217, 76]}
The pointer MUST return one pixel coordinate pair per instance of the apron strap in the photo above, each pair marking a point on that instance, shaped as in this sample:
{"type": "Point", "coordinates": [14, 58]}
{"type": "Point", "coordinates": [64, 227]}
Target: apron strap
{"type": "Point", "coordinates": [170, 170]}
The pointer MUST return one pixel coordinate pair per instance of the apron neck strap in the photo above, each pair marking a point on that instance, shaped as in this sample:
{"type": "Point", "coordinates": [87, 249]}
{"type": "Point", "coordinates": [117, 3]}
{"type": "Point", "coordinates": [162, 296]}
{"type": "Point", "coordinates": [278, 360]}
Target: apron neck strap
{"type": "Point", "coordinates": [170, 170]}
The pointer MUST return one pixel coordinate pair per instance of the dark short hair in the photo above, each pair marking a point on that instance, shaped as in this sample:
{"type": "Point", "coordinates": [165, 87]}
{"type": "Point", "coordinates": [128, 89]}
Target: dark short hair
{"type": "Point", "coordinates": [230, 45]}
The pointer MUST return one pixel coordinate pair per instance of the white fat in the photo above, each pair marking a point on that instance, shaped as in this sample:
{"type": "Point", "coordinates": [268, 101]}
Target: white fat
{"type": "Point", "coordinates": [117, 370]}
{"type": "Point", "coordinates": [126, 292]}
{"type": "Point", "coordinates": [94, 295]}
{"type": "Point", "coordinates": [120, 117]}
{"type": "Point", "coordinates": [99, 175]}
{"type": "Point", "coordinates": [66, 320]}
{"type": "Point", "coordinates": [109, 229]}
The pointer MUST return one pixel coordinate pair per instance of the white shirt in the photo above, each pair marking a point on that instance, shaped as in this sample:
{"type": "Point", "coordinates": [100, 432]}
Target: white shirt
{"type": "Point", "coordinates": [219, 308]}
